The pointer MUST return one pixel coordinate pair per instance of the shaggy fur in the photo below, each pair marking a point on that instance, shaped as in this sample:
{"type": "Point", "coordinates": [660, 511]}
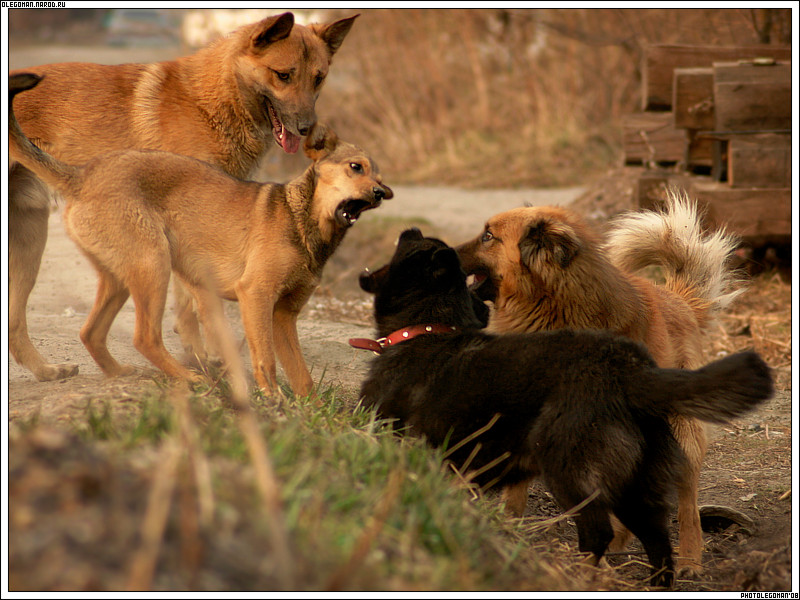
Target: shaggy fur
{"type": "Point", "coordinates": [544, 268]}
{"type": "Point", "coordinates": [585, 410]}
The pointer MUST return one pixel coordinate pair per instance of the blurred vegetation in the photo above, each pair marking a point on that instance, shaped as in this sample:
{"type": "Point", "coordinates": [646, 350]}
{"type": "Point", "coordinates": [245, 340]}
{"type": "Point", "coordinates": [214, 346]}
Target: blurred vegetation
{"type": "Point", "coordinates": [484, 97]}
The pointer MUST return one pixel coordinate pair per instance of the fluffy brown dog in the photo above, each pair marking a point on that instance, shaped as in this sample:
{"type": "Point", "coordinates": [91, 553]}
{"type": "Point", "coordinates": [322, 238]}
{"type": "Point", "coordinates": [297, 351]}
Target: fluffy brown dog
{"type": "Point", "coordinates": [138, 215]}
{"type": "Point", "coordinates": [228, 104]}
{"type": "Point", "coordinates": [544, 268]}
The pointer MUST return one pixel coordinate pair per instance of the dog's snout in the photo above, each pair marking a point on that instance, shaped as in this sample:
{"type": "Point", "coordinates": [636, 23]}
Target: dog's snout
{"type": "Point", "coordinates": [378, 192]}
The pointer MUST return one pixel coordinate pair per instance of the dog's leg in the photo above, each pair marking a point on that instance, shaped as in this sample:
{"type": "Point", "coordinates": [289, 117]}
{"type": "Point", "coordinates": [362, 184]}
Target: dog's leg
{"type": "Point", "coordinates": [691, 435]}
{"type": "Point", "coordinates": [287, 347]}
{"type": "Point", "coordinates": [516, 497]}
{"type": "Point", "coordinates": [111, 296]}
{"type": "Point", "coordinates": [648, 521]}
{"type": "Point", "coordinates": [594, 531]}
{"type": "Point", "coordinates": [29, 212]}
{"type": "Point", "coordinates": [257, 310]}
{"type": "Point", "coordinates": [187, 325]}
{"type": "Point", "coordinates": [149, 287]}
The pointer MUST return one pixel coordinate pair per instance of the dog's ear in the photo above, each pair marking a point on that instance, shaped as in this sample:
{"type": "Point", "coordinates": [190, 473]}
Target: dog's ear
{"type": "Point", "coordinates": [320, 142]}
{"type": "Point", "coordinates": [271, 30]}
{"type": "Point", "coordinates": [370, 281]}
{"type": "Point", "coordinates": [445, 262]}
{"type": "Point", "coordinates": [556, 240]}
{"type": "Point", "coordinates": [333, 34]}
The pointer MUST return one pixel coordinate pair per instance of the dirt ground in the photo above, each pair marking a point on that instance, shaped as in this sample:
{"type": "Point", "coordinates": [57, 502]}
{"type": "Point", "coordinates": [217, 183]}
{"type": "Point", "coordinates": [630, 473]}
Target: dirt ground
{"type": "Point", "coordinates": [749, 463]}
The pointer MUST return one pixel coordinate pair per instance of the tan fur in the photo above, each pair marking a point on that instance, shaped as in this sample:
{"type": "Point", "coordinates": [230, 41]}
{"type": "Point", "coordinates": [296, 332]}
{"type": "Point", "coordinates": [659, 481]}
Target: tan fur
{"type": "Point", "coordinates": [140, 215]}
{"type": "Point", "coordinates": [213, 105]}
{"type": "Point", "coordinates": [550, 270]}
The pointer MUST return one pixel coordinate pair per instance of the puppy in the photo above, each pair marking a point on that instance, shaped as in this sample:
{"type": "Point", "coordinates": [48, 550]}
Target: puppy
{"type": "Point", "coordinates": [138, 215]}
{"type": "Point", "coordinates": [585, 410]}
{"type": "Point", "coordinates": [544, 268]}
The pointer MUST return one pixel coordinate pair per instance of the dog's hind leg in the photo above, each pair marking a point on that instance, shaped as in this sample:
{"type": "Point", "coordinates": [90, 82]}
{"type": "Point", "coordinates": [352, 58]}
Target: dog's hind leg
{"type": "Point", "coordinates": [516, 497]}
{"type": "Point", "coordinates": [287, 347]}
{"type": "Point", "coordinates": [111, 296]}
{"type": "Point", "coordinates": [691, 435]}
{"type": "Point", "coordinates": [29, 212]}
{"type": "Point", "coordinates": [594, 530]}
{"type": "Point", "coordinates": [149, 287]}
{"type": "Point", "coordinates": [187, 325]}
{"type": "Point", "coordinates": [648, 521]}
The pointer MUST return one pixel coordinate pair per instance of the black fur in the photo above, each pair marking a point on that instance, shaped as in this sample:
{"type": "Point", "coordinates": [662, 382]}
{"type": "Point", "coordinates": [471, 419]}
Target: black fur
{"type": "Point", "coordinates": [585, 410]}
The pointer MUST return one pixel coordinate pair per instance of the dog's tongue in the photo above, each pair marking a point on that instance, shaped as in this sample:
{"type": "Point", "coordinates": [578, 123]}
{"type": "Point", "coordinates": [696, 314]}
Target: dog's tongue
{"type": "Point", "coordinates": [289, 141]}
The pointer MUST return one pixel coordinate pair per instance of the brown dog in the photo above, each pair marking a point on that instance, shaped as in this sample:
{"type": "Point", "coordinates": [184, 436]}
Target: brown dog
{"type": "Point", "coordinates": [543, 268]}
{"type": "Point", "coordinates": [227, 104]}
{"type": "Point", "coordinates": [138, 215]}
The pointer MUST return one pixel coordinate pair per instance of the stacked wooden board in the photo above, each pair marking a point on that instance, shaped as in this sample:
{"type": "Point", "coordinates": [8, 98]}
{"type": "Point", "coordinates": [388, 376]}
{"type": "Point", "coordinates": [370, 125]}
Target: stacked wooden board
{"type": "Point", "coordinates": [717, 121]}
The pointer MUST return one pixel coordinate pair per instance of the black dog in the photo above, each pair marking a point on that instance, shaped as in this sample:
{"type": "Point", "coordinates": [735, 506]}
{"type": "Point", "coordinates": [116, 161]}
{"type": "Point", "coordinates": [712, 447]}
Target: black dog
{"type": "Point", "coordinates": [585, 410]}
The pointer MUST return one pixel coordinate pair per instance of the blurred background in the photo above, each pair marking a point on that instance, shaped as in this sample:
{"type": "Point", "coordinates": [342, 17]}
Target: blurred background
{"type": "Point", "coordinates": [480, 98]}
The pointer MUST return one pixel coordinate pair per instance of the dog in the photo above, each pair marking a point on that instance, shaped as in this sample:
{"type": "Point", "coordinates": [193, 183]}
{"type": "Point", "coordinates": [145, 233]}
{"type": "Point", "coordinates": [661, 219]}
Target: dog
{"type": "Point", "coordinates": [587, 411]}
{"type": "Point", "coordinates": [138, 215]}
{"type": "Point", "coordinates": [544, 268]}
{"type": "Point", "coordinates": [227, 104]}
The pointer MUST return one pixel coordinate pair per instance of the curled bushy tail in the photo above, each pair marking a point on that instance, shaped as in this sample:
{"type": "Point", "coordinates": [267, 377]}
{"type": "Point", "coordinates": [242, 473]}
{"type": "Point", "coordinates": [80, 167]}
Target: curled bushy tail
{"type": "Point", "coordinates": [722, 390]}
{"type": "Point", "coordinates": [696, 263]}
{"type": "Point", "coordinates": [52, 171]}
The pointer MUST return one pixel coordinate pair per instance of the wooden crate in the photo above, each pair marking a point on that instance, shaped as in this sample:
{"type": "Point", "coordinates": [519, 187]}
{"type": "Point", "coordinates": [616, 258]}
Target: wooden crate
{"type": "Point", "coordinates": [693, 98]}
{"type": "Point", "coordinates": [661, 60]}
{"type": "Point", "coordinates": [758, 215]}
{"type": "Point", "coordinates": [752, 98]}
{"type": "Point", "coordinates": [651, 137]}
{"type": "Point", "coordinates": [762, 160]}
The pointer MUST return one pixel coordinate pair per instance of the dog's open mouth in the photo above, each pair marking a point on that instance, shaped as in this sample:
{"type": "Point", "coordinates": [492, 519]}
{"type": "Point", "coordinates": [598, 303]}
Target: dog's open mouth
{"type": "Point", "coordinates": [481, 284]}
{"type": "Point", "coordinates": [348, 211]}
{"type": "Point", "coordinates": [285, 138]}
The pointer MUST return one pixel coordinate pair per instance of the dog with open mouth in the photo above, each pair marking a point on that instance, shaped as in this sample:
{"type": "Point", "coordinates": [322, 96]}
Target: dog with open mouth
{"type": "Point", "coordinates": [140, 215]}
{"type": "Point", "coordinates": [587, 411]}
{"type": "Point", "coordinates": [228, 104]}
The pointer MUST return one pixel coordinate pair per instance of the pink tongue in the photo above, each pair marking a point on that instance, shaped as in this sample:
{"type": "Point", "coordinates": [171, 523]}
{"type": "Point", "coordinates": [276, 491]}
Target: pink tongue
{"type": "Point", "coordinates": [290, 142]}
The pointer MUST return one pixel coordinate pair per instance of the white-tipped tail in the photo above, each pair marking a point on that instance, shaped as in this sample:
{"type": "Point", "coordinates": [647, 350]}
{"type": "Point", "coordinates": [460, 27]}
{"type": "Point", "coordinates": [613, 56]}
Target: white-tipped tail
{"type": "Point", "coordinates": [695, 262]}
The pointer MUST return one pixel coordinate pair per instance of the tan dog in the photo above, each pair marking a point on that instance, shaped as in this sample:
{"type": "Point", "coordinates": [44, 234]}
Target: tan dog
{"type": "Point", "coordinates": [544, 268]}
{"type": "Point", "coordinates": [228, 104]}
{"type": "Point", "coordinates": [138, 215]}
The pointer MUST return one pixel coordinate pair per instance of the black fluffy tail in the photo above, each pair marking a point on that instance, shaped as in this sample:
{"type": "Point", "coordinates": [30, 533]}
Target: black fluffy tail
{"type": "Point", "coordinates": [722, 390]}
{"type": "Point", "coordinates": [52, 171]}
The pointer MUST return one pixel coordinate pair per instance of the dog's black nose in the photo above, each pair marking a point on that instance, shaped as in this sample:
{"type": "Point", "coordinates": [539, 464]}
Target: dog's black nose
{"type": "Point", "coordinates": [378, 192]}
{"type": "Point", "coordinates": [303, 130]}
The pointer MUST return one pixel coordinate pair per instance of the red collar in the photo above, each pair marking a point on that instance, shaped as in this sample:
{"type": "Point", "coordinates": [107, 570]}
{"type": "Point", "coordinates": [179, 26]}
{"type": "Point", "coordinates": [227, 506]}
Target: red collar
{"type": "Point", "coordinates": [401, 335]}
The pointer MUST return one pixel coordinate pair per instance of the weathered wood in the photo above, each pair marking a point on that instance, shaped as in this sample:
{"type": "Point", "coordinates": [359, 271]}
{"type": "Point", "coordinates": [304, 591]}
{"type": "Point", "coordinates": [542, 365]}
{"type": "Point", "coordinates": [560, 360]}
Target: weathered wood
{"type": "Point", "coordinates": [699, 151]}
{"type": "Point", "coordinates": [752, 98]}
{"type": "Point", "coordinates": [756, 214]}
{"type": "Point", "coordinates": [652, 138]}
{"type": "Point", "coordinates": [661, 60]}
{"type": "Point", "coordinates": [693, 98]}
{"type": "Point", "coordinates": [763, 160]}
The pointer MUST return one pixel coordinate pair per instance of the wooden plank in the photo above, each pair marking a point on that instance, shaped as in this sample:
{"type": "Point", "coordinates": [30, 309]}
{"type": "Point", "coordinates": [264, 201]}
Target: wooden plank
{"type": "Point", "coordinates": [752, 98]}
{"type": "Point", "coordinates": [652, 138]}
{"type": "Point", "coordinates": [756, 214]}
{"type": "Point", "coordinates": [760, 161]}
{"type": "Point", "coordinates": [660, 61]}
{"type": "Point", "coordinates": [700, 151]}
{"type": "Point", "coordinates": [693, 98]}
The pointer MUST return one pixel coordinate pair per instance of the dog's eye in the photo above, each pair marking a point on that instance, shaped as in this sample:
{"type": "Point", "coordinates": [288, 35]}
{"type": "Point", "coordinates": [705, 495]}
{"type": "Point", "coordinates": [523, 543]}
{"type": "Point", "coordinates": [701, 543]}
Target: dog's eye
{"type": "Point", "coordinates": [357, 167]}
{"type": "Point", "coordinates": [318, 81]}
{"type": "Point", "coordinates": [285, 77]}
{"type": "Point", "coordinates": [487, 236]}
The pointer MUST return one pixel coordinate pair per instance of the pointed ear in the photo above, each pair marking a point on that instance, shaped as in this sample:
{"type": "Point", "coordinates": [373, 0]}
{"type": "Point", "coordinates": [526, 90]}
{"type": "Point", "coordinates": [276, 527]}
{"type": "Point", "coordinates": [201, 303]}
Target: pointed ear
{"type": "Point", "coordinates": [334, 33]}
{"type": "Point", "coordinates": [555, 243]}
{"type": "Point", "coordinates": [371, 282]}
{"type": "Point", "coordinates": [271, 30]}
{"type": "Point", "coordinates": [320, 142]}
{"type": "Point", "coordinates": [445, 263]}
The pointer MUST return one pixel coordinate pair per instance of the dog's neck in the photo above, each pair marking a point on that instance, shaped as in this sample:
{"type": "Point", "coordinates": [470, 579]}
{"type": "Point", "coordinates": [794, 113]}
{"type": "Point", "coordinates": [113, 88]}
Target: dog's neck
{"type": "Point", "coordinates": [401, 335]}
{"type": "Point", "coordinates": [319, 238]}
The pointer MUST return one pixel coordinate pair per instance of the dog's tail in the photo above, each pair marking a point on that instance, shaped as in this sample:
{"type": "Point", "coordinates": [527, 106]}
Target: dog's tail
{"type": "Point", "coordinates": [696, 264]}
{"type": "Point", "coordinates": [52, 171]}
{"type": "Point", "coordinates": [722, 390]}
